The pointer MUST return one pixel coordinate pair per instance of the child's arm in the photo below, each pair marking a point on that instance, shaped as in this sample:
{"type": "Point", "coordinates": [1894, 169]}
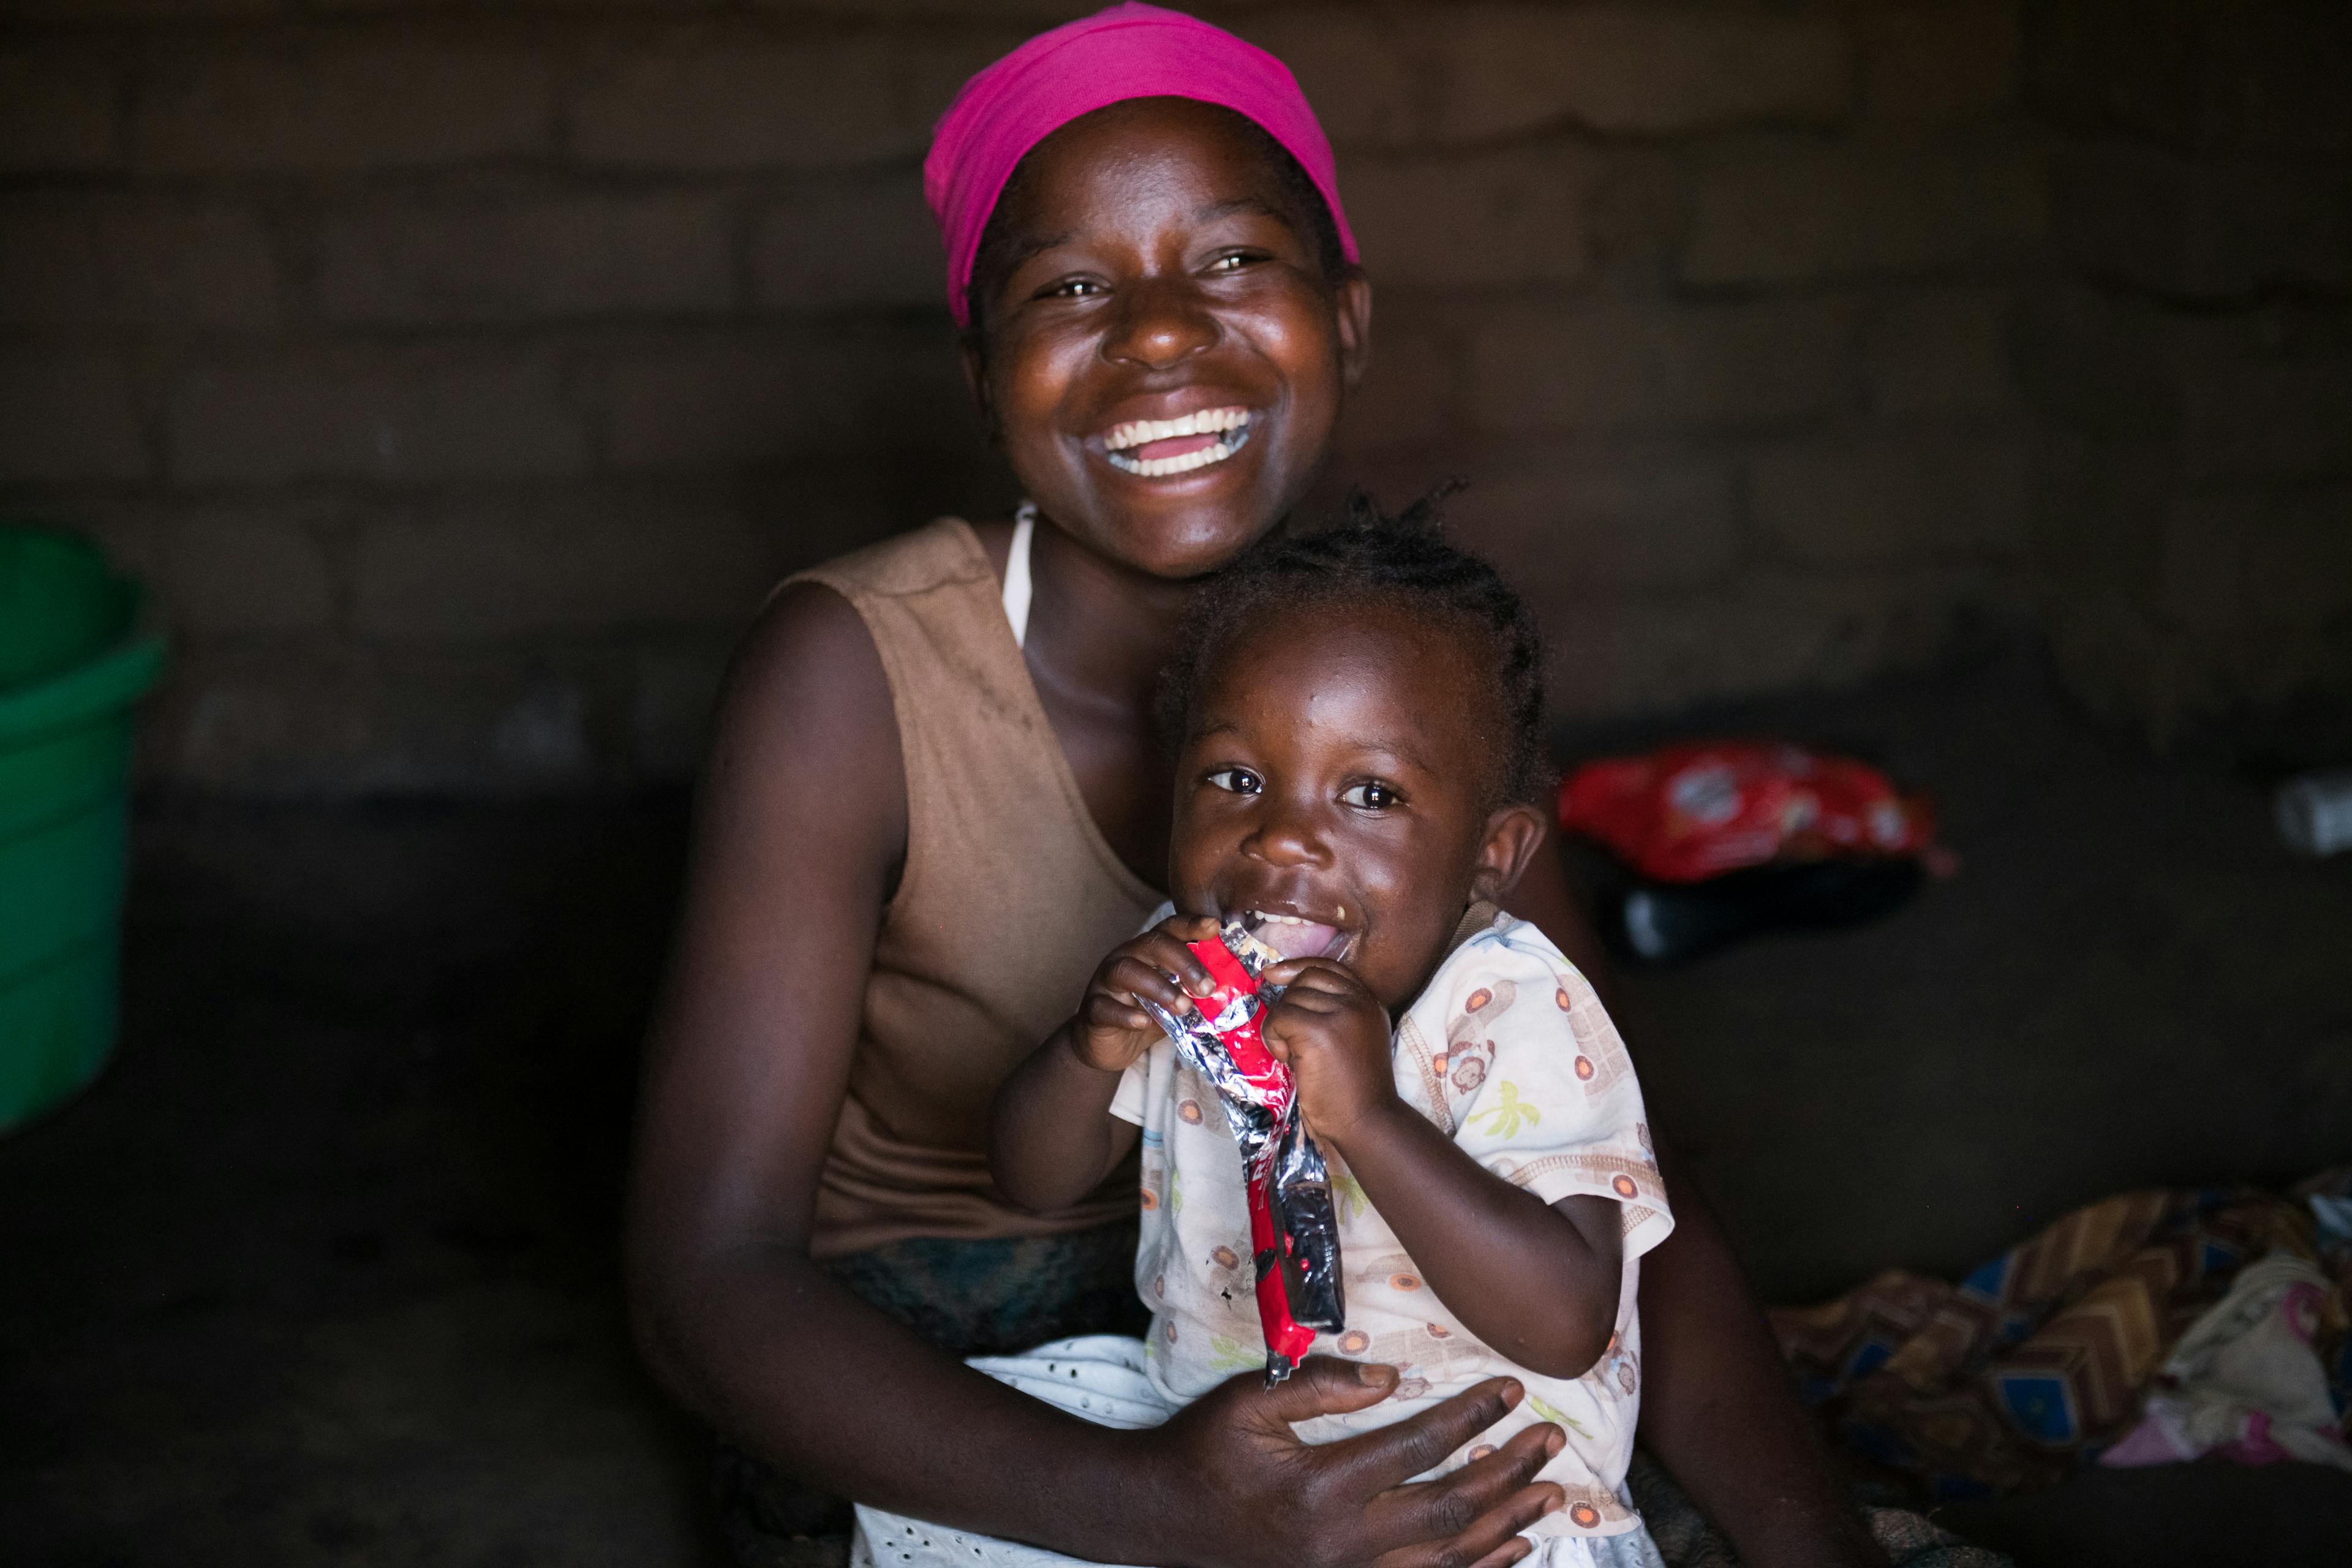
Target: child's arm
{"type": "Point", "coordinates": [1052, 1138]}
{"type": "Point", "coordinates": [1538, 1282]}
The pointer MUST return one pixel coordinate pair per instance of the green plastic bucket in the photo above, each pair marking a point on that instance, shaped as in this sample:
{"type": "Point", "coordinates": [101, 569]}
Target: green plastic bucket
{"type": "Point", "coordinates": [73, 660]}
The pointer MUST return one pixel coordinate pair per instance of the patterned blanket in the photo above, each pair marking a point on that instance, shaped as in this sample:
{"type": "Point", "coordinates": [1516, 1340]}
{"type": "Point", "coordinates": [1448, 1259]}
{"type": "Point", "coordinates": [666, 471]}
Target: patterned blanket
{"type": "Point", "coordinates": [2034, 1364]}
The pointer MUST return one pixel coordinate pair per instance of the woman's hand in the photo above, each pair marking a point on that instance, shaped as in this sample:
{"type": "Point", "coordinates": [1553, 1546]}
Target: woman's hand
{"type": "Point", "coordinates": [1111, 1030]}
{"type": "Point", "coordinates": [1254, 1494]}
{"type": "Point", "coordinates": [1334, 1035]}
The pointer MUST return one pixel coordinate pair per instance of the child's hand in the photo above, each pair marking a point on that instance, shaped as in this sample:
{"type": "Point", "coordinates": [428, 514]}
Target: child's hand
{"type": "Point", "coordinates": [1334, 1033]}
{"type": "Point", "coordinates": [1111, 1031]}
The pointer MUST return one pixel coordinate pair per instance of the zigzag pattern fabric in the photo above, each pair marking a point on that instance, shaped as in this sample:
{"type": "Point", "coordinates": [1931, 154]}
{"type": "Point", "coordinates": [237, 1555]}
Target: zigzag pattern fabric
{"type": "Point", "coordinates": [2026, 1370]}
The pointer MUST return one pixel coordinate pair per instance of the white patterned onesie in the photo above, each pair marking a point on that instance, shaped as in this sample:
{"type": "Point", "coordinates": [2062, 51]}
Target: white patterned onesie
{"type": "Point", "coordinates": [1508, 1051]}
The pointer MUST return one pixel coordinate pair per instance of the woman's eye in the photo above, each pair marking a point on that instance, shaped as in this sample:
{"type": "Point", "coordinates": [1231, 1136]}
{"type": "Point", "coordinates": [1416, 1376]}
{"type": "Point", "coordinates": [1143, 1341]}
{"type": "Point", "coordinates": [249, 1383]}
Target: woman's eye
{"type": "Point", "coordinates": [1234, 262]}
{"type": "Point", "coordinates": [1070, 289]}
{"type": "Point", "coordinates": [1370, 795]}
{"type": "Point", "coordinates": [1236, 781]}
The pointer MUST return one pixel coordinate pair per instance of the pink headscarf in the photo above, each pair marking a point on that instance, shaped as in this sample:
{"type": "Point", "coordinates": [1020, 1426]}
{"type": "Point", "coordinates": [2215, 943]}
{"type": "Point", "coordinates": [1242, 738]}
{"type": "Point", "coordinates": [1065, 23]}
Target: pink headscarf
{"type": "Point", "coordinates": [1131, 50]}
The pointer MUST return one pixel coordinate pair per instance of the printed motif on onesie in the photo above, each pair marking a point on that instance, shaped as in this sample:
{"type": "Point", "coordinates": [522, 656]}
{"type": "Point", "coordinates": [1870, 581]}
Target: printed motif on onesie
{"type": "Point", "coordinates": [1510, 1054]}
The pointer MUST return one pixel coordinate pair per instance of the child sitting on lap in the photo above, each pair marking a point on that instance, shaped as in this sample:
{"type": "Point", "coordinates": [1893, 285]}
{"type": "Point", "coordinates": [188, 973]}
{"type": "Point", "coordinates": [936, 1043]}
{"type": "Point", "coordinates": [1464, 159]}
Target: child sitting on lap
{"type": "Point", "coordinates": [1360, 770]}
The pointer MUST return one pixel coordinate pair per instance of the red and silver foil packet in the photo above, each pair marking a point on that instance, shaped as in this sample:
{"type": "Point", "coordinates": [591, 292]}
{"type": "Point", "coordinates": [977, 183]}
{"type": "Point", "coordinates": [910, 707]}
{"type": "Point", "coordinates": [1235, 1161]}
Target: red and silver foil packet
{"type": "Point", "coordinates": [1294, 1230]}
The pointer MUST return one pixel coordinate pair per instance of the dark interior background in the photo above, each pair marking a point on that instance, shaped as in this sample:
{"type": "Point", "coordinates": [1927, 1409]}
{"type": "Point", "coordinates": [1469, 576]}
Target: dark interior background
{"type": "Point", "coordinates": [464, 374]}
{"type": "Point", "coordinates": [1968, 384]}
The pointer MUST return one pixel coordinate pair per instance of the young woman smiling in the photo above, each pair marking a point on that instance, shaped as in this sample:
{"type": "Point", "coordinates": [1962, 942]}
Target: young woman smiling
{"type": "Point", "coordinates": [937, 796]}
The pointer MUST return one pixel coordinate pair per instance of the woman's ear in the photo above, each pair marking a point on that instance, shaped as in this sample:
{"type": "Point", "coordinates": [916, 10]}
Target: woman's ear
{"type": "Point", "coordinates": [975, 381]}
{"type": "Point", "coordinates": [1514, 833]}
{"type": "Point", "coordinates": [1353, 306]}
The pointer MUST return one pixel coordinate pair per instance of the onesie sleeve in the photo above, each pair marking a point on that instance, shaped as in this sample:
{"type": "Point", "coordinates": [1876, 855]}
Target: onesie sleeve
{"type": "Point", "coordinates": [1134, 1092]}
{"type": "Point", "coordinates": [1132, 1099]}
{"type": "Point", "coordinates": [1534, 1082]}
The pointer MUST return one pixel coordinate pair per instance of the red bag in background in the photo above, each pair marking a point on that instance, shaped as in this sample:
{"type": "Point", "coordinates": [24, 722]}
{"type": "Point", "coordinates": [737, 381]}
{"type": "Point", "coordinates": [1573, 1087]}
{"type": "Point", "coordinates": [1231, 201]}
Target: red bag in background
{"type": "Point", "coordinates": [1728, 839]}
{"type": "Point", "coordinates": [1691, 812]}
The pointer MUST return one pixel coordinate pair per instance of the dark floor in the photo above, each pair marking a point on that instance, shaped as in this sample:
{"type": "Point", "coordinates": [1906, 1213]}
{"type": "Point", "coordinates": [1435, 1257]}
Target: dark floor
{"type": "Point", "coordinates": [321, 1271]}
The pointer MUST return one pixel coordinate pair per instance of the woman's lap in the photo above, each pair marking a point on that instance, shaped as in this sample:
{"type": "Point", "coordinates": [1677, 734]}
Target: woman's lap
{"type": "Point", "coordinates": [1103, 1378]}
{"type": "Point", "coordinates": [969, 1298]}
{"type": "Point", "coordinates": [993, 1297]}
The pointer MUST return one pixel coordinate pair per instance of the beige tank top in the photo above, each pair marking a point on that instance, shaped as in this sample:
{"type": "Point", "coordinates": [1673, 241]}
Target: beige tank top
{"type": "Point", "coordinates": [1009, 898]}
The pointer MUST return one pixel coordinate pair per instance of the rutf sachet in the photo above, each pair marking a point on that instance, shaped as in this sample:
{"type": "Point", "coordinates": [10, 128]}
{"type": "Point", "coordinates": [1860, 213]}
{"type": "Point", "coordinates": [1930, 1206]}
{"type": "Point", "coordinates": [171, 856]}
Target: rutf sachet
{"type": "Point", "coordinates": [1294, 1231]}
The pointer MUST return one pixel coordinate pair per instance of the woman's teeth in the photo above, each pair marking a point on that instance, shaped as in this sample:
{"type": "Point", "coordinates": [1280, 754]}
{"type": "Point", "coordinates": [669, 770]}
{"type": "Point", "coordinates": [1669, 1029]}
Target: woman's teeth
{"type": "Point", "coordinates": [1183, 463]}
{"type": "Point", "coordinates": [1197, 440]}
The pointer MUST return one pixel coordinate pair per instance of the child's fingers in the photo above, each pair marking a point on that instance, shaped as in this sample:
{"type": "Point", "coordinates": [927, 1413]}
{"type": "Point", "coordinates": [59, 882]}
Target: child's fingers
{"type": "Point", "coordinates": [1189, 928]}
{"type": "Point", "coordinates": [1165, 950]}
{"type": "Point", "coordinates": [1313, 974]}
{"type": "Point", "coordinates": [1133, 977]}
{"type": "Point", "coordinates": [1289, 1030]}
{"type": "Point", "coordinates": [1321, 990]}
{"type": "Point", "coordinates": [1300, 1012]}
{"type": "Point", "coordinates": [1111, 1015]}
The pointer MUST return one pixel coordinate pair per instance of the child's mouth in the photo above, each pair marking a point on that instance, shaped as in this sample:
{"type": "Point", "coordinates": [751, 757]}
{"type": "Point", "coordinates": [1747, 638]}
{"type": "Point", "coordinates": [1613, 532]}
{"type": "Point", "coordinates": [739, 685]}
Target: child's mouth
{"type": "Point", "coordinates": [1156, 448]}
{"type": "Point", "coordinates": [1293, 937]}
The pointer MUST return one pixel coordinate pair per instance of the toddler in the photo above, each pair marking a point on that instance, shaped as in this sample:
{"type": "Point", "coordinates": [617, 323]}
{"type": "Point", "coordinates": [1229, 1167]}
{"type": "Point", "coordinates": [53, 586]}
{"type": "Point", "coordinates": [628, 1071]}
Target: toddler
{"type": "Point", "coordinates": [1360, 776]}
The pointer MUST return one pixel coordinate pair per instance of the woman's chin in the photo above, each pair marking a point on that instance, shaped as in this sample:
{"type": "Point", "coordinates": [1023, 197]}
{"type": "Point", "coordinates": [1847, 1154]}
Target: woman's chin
{"type": "Point", "coordinates": [1175, 536]}
{"type": "Point", "coordinates": [1198, 552]}
{"type": "Point", "coordinates": [1184, 531]}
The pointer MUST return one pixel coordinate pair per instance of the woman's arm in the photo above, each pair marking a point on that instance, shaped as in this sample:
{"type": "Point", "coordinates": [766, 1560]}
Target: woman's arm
{"type": "Point", "coordinates": [1718, 1410]}
{"type": "Point", "coordinates": [800, 827]}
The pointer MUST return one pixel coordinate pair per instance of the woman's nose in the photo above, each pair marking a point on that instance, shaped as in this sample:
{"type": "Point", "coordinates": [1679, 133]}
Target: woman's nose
{"type": "Point", "coordinates": [1161, 322]}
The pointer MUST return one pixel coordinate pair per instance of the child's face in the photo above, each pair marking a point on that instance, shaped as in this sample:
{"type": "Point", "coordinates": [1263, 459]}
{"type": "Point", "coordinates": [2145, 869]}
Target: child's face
{"type": "Point", "coordinates": [1336, 770]}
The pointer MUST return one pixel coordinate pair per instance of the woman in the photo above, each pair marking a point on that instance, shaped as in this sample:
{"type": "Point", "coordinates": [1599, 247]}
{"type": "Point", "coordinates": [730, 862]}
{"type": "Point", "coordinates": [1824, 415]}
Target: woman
{"type": "Point", "coordinates": [935, 798]}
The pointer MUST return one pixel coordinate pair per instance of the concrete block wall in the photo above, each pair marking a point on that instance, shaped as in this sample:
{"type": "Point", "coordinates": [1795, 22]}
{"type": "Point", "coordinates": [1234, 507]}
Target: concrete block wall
{"type": "Point", "coordinates": [2190, 363]}
{"type": "Point", "coordinates": [463, 376]}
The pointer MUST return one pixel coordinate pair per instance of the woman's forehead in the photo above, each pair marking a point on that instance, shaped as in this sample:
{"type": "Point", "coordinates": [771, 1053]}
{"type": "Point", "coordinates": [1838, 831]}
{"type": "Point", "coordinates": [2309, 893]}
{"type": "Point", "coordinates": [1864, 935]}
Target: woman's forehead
{"type": "Point", "coordinates": [1175, 158]}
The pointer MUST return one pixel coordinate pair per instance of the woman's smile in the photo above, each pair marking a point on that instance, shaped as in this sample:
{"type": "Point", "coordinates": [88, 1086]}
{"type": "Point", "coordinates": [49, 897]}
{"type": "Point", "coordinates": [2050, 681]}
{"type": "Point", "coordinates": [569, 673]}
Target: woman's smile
{"type": "Point", "coordinates": [1158, 448]}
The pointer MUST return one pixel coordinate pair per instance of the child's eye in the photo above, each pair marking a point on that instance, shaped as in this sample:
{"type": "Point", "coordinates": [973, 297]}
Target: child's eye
{"type": "Point", "coordinates": [1233, 262]}
{"type": "Point", "coordinates": [1370, 795]}
{"type": "Point", "coordinates": [1069, 288]}
{"type": "Point", "coordinates": [1239, 781]}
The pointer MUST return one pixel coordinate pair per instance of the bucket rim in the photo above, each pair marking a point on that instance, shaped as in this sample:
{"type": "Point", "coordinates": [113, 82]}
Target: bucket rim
{"type": "Point", "coordinates": [111, 680]}
{"type": "Point", "coordinates": [110, 683]}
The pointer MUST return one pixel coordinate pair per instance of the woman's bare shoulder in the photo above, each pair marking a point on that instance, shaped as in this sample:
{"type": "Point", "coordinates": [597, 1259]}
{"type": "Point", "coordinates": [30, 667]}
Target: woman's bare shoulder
{"type": "Point", "coordinates": [806, 722]}
{"type": "Point", "coordinates": [808, 634]}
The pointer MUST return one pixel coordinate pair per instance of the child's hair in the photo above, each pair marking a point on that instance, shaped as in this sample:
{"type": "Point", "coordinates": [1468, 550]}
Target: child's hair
{"type": "Point", "coordinates": [1371, 558]}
